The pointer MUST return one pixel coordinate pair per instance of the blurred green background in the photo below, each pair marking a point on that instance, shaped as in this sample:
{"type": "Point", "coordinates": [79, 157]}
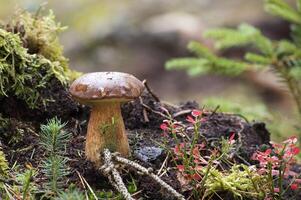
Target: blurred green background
{"type": "Point", "coordinates": [139, 36]}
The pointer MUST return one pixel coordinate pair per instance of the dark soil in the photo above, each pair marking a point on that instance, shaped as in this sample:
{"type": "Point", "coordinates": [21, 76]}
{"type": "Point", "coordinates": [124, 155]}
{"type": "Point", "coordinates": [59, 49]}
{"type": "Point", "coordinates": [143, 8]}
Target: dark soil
{"type": "Point", "coordinates": [142, 123]}
{"type": "Point", "coordinates": [54, 100]}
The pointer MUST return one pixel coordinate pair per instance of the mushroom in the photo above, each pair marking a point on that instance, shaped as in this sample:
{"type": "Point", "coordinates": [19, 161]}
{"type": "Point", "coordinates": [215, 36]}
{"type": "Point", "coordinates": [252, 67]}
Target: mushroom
{"type": "Point", "coordinates": [104, 92]}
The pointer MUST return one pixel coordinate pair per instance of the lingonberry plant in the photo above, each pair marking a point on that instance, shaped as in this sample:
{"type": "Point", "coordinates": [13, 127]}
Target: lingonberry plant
{"type": "Point", "coordinates": [186, 152]}
{"type": "Point", "coordinates": [193, 159]}
{"type": "Point", "coordinates": [208, 169]}
{"type": "Point", "coordinates": [276, 164]}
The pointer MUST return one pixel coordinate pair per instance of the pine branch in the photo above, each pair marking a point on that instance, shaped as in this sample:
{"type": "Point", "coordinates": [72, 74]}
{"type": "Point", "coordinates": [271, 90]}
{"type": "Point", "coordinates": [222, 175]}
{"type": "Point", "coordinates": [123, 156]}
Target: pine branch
{"type": "Point", "coordinates": [193, 66]}
{"type": "Point", "coordinates": [284, 10]}
{"type": "Point", "coordinates": [258, 59]}
{"type": "Point", "coordinates": [200, 50]}
{"type": "Point", "coordinates": [244, 35]}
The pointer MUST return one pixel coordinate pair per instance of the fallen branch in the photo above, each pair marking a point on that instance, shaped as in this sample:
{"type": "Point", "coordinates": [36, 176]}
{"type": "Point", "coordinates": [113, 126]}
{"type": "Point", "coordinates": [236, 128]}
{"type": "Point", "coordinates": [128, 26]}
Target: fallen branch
{"type": "Point", "coordinates": [150, 173]}
{"type": "Point", "coordinates": [109, 170]}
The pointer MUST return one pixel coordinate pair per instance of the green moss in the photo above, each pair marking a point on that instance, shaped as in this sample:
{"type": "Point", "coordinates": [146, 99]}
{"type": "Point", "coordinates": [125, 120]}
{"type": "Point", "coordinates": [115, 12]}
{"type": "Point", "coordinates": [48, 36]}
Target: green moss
{"type": "Point", "coordinates": [3, 161]}
{"type": "Point", "coordinates": [30, 56]}
{"type": "Point", "coordinates": [23, 74]}
{"type": "Point", "coordinates": [241, 181]}
{"type": "Point", "coordinates": [40, 35]}
{"type": "Point", "coordinates": [109, 128]}
{"type": "Point", "coordinates": [3, 164]}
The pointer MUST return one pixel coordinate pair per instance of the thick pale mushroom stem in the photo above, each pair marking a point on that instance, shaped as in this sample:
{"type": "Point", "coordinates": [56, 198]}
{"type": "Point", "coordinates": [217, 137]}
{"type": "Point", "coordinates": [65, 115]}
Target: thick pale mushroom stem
{"type": "Point", "coordinates": [106, 130]}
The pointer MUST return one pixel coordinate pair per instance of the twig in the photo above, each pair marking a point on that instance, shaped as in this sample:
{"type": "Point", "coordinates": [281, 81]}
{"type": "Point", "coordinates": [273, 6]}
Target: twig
{"type": "Point", "coordinates": [85, 183]}
{"type": "Point", "coordinates": [150, 173]}
{"type": "Point", "coordinates": [136, 193]}
{"type": "Point", "coordinates": [109, 170]}
{"type": "Point", "coordinates": [146, 119]}
{"type": "Point", "coordinates": [163, 164]}
{"type": "Point", "coordinates": [150, 90]}
{"type": "Point", "coordinates": [154, 111]}
{"type": "Point", "coordinates": [241, 116]}
{"type": "Point", "coordinates": [214, 111]}
{"type": "Point", "coordinates": [182, 112]}
{"type": "Point", "coordinates": [8, 192]}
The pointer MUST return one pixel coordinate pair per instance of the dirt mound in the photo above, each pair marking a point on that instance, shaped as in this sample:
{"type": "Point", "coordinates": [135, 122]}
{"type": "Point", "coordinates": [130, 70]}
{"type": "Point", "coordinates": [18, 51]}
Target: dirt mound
{"type": "Point", "coordinates": [142, 120]}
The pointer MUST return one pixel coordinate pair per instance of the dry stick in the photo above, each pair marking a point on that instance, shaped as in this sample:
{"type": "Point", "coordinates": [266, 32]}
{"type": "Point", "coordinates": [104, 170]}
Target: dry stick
{"type": "Point", "coordinates": [146, 119]}
{"type": "Point", "coordinates": [110, 171]}
{"type": "Point", "coordinates": [154, 111]}
{"type": "Point", "coordinates": [136, 193]}
{"type": "Point", "coordinates": [214, 111]}
{"type": "Point", "coordinates": [162, 166]}
{"type": "Point", "coordinates": [85, 183]}
{"type": "Point", "coordinates": [182, 112]}
{"type": "Point", "coordinates": [149, 173]}
{"type": "Point", "coordinates": [150, 90]}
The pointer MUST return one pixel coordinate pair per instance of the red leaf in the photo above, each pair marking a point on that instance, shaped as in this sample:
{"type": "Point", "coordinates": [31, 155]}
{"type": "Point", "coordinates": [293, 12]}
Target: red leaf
{"type": "Point", "coordinates": [164, 126]}
{"type": "Point", "coordinates": [196, 113]}
{"type": "Point", "coordinates": [276, 190]}
{"type": "Point", "coordinates": [295, 150]}
{"type": "Point", "coordinates": [294, 186]}
{"type": "Point", "coordinates": [190, 119]}
{"type": "Point", "coordinates": [181, 168]}
{"type": "Point", "coordinates": [196, 177]}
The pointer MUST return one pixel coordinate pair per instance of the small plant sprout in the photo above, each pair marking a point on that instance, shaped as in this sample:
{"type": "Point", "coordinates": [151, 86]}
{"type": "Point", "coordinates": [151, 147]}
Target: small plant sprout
{"type": "Point", "coordinates": [104, 92]}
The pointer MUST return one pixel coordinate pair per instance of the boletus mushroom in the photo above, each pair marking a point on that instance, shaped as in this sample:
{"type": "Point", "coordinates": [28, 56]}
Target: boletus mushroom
{"type": "Point", "coordinates": [104, 92]}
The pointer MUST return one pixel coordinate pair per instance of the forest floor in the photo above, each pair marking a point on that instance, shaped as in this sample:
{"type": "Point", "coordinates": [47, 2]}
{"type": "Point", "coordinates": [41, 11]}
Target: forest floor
{"type": "Point", "coordinates": [142, 119]}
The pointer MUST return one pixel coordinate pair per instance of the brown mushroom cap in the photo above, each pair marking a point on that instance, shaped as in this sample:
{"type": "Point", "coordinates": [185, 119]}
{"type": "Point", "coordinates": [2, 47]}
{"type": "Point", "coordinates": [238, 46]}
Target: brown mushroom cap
{"type": "Point", "coordinates": [106, 86]}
